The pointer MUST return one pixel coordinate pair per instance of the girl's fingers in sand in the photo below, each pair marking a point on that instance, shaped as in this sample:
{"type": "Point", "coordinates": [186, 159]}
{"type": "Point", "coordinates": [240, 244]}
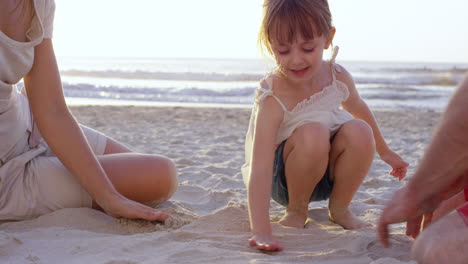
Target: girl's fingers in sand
{"type": "Point", "coordinates": [265, 246]}
{"type": "Point", "coordinates": [265, 242]}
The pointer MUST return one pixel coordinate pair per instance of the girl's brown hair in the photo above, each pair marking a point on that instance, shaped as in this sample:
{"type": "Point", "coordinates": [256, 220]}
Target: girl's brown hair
{"type": "Point", "coordinates": [284, 19]}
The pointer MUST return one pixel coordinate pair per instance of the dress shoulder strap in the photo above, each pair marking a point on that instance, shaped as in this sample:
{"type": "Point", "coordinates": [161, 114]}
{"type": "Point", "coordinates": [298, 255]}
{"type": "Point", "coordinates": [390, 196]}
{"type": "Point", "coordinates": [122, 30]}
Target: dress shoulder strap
{"type": "Point", "coordinates": [265, 89]}
{"type": "Point", "coordinates": [334, 67]}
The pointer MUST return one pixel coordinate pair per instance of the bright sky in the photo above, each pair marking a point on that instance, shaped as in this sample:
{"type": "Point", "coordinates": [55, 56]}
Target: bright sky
{"type": "Point", "coordinates": [367, 30]}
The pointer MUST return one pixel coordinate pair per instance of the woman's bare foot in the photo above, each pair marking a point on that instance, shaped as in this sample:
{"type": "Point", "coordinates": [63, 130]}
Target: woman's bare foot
{"type": "Point", "coordinates": [347, 220]}
{"type": "Point", "coordinates": [292, 219]}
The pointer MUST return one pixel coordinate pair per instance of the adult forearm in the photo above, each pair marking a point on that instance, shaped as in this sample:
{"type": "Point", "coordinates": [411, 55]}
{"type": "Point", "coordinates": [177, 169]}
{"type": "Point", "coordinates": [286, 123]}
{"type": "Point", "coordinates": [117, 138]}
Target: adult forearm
{"type": "Point", "coordinates": [446, 158]}
{"type": "Point", "coordinates": [64, 136]}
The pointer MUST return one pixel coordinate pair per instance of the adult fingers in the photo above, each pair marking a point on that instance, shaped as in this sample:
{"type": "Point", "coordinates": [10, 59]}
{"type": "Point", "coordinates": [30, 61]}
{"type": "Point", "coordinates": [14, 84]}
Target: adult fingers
{"type": "Point", "coordinates": [427, 220]}
{"type": "Point", "coordinates": [145, 212]}
{"type": "Point", "coordinates": [383, 224]}
{"type": "Point", "coordinates": [391, 214]}
{"type": "Point", "coordinates": [382, 231]}
{"type": "Point", "coordinates": [413, 227]}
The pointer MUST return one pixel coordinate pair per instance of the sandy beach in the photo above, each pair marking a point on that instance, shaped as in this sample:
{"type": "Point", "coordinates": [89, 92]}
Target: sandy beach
{"type": "Point", "coordinates": [210, 222]}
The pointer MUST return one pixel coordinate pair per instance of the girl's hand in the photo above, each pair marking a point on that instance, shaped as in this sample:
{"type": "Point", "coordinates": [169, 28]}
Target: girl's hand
{"type": "Point", "coordinates": [399, 166]}
{"type": "Point", "coordinates": [265, 242]}
{"type": "Point", "coordinates": [120, 207]}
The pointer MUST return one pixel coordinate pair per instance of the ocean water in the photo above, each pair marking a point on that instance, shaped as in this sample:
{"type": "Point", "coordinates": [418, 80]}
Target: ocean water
{"type": "Point", "coordinates": [232, 82]}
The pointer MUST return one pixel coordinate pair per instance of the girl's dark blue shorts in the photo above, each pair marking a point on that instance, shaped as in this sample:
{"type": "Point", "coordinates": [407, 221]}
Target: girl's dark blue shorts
{"type": "Point", "coordinates": [279, 188]}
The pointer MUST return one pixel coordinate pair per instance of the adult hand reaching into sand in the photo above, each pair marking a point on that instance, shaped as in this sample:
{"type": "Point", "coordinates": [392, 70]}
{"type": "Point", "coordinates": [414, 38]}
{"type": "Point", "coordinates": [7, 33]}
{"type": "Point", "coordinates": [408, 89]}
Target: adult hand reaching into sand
{"type": "Point", "coordinates": [443, 173]}
{"type": "Point", "coordinates": [265, 242]}
{"type": "Point", "coordinates": [403, 207]}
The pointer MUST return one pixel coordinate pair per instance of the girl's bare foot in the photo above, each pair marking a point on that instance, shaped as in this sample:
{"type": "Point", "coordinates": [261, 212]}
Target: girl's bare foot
{"type": "Point", "coordinates": [293, 219]}
{"type": "Point", "coordinates": [347, 220]}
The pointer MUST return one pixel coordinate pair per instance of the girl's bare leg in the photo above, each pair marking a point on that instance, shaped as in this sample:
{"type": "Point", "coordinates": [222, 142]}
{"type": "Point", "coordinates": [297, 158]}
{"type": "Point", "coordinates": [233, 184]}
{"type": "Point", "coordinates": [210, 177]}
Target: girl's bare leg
{"type": "Point", "coordinates": [143, 178]}
{"type": "Point", "coordinates": [306, 158]}
{"type": "Point", "coordinates": [351, 156]}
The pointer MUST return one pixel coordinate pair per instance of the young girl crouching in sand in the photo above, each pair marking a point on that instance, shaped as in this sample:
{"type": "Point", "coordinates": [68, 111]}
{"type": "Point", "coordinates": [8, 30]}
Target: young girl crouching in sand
{"type": "Point", "coordinates": [300, 145]}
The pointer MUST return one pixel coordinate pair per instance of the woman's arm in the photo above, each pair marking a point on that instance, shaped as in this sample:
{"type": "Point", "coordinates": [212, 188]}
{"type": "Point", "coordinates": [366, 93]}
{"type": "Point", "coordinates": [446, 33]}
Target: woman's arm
{"type": "Point", "coordinates": [359, 109]}
{"type": "Point", "coordinates": [65, 138]}
{"type": "Point", "coordinates": [268, 120]}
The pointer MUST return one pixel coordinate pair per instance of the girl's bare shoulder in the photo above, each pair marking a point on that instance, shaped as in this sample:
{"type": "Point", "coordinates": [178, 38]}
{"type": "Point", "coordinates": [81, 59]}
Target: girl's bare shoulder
{"type": "Point", "coordinates": [343, 75]}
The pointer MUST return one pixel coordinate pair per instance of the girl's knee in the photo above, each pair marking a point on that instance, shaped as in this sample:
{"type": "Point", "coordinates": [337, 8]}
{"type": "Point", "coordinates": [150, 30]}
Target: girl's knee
{"type": "Point", "coordinates": [359, 133]}
{"type": "Point", "coordinates": [312, 138]}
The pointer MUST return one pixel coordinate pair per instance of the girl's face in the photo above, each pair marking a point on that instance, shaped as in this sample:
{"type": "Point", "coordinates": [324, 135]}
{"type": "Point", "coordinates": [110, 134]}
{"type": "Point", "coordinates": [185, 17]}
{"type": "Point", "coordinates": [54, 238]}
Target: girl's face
{"type": "Point", "coordinates": [300, 60]}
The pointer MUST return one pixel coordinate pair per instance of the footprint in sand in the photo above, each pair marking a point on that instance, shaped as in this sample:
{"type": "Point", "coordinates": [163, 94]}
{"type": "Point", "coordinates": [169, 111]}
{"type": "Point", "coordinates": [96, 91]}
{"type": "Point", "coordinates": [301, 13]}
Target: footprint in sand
{"type": "Point", "coordinates": [7, 243]}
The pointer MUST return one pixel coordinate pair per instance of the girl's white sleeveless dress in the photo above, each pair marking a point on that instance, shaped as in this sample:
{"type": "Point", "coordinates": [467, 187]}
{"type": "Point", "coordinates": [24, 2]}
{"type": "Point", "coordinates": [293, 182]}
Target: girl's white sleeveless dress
{"type": "Point", "coordinates": [323, 107]}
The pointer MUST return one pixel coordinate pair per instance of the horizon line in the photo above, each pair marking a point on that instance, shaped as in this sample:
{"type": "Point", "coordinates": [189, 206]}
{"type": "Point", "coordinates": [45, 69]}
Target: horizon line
{"type": "Point", "coordinates": [252, 59]}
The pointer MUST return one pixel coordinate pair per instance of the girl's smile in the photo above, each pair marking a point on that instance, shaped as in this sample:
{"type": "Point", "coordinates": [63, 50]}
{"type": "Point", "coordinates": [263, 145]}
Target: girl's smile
{"type": "Point", "coordinates": [300, 72]}
{"type": "Point", "coordinates": [300, 59]}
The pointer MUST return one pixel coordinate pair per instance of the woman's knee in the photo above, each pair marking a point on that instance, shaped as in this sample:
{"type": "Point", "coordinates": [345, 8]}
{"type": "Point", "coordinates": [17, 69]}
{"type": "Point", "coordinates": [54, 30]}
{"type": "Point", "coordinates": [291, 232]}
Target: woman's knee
{"type": "Point", "coordinates": [312, 138]}
{"type": "Point", "coordinates": [164, 175]}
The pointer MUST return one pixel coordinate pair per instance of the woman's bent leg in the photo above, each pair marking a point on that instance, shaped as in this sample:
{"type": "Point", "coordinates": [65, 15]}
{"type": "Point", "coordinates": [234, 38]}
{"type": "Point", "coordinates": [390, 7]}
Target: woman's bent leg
{"type": "Point", "coordinates": [143, 178]}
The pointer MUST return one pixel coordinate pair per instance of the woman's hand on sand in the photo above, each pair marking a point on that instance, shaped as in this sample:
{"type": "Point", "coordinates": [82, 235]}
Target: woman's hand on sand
{"type": "Point", "coordinates": [399, 166]}
{"type": "Point", "coordinates": [265, 242]}
{"type": "Point", "coordinates": [120, 207]}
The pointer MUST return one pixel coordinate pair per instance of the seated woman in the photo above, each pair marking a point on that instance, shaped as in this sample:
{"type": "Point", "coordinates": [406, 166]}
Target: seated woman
{"type": "Point", "coordinates": [68, 165]}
